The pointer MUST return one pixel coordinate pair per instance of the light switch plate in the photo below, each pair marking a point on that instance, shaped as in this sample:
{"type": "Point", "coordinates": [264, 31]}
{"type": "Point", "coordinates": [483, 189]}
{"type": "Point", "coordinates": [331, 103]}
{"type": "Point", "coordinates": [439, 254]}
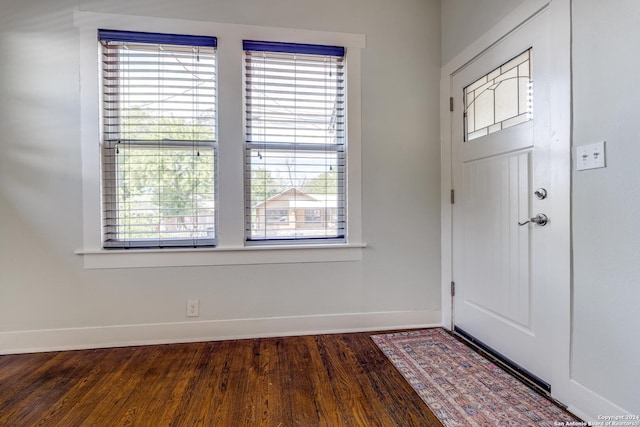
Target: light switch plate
{"type": "Point", "coordinates": [591, 156]}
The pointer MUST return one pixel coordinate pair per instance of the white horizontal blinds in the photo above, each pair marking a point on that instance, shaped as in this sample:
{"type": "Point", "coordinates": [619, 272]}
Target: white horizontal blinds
{"type": "Point", "coordinates": [295, 159]}
{"type": "Point", "coordinates": [159, 139]}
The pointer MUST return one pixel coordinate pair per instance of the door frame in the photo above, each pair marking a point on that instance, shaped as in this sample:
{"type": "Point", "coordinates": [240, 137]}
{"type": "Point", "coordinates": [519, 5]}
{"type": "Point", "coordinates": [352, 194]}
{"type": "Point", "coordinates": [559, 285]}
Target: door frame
{"type": "Point", "coordinates": [560, 124]}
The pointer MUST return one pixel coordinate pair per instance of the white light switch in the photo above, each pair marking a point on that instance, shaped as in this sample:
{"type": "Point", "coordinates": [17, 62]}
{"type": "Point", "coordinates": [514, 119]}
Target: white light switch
{"type": "Point", "coordinates": [590, 156]}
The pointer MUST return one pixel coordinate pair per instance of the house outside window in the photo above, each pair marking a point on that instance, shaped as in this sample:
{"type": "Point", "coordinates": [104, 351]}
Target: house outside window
{"type": "Point", "coordinates": [292, 212]}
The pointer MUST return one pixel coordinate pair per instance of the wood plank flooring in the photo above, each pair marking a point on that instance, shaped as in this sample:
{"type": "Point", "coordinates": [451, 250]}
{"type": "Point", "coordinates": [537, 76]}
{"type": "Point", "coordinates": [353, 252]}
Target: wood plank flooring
{"type": "Point", "coordinates": [321, 380]}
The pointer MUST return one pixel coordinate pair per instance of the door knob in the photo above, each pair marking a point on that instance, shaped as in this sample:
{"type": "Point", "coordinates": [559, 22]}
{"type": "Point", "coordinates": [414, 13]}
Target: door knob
{"type": "Point", "coordinates": [540, 219]}
{"type": "Point", "coordinates": [540, 193]}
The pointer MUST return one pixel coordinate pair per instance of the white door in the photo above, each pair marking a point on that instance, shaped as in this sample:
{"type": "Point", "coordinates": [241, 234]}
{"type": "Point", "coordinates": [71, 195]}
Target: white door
{"type": "Point", "coordinates": [501, 148]}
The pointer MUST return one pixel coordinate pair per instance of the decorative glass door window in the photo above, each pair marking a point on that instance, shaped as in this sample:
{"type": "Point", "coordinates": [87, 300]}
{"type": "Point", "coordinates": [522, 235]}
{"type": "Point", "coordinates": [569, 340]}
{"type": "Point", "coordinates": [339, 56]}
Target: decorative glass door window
{"type": "Point", "coordinates": [499, 99]}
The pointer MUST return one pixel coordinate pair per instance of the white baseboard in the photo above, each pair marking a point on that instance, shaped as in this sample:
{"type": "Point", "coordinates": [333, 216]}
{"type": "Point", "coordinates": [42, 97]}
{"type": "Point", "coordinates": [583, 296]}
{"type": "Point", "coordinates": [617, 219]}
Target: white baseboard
{"type": "Point", "coordinates": [164, 333]}
{"type": "Point", "coordinates": [589, 405]}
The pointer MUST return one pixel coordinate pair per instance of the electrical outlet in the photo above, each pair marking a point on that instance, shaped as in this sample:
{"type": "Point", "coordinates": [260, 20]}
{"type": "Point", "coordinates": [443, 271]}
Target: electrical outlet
{"type": "Point", "coordinates": [193, 308]}
{"type": "Point", "coordinates": [590, 156]}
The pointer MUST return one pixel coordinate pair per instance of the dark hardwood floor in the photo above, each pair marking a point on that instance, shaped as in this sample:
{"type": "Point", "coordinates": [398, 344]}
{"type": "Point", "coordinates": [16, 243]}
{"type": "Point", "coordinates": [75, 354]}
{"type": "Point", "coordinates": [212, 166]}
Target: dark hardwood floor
{"type": "Point", "coordinates": [322, 380]}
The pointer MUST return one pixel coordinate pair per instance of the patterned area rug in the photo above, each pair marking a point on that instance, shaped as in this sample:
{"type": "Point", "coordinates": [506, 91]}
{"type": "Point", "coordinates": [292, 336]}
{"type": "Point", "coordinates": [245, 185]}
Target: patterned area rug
{"type": "Point", "coordinates": [463, 388]}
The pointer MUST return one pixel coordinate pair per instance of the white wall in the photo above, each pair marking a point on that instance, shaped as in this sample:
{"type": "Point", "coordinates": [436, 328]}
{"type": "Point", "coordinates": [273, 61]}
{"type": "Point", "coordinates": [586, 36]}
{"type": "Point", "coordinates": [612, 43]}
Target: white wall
{"type": "Point", "coordinates": [605, 367]}
{"type": "Point", "coordinates": [465, 20]}
{"type": "Point", "coordinates": [43, 285]}
{"type": "Point", "coordinates": [606, 202]}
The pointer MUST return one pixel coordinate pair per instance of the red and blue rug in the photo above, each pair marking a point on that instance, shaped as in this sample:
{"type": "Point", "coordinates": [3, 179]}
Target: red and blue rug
{"type": "Point", "coordinates": [461, 387]}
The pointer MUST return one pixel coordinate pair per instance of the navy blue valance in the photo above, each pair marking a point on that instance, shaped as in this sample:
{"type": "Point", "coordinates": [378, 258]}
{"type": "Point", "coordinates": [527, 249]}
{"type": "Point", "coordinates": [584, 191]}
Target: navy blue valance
{"type": "Point", "coordinates": [310, 49]}
{"type": "Point", "coordinates": [156, 38]}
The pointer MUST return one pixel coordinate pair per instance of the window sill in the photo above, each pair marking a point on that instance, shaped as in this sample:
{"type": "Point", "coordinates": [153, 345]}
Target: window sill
{"type": "Point", "coordinates": [189, 257]}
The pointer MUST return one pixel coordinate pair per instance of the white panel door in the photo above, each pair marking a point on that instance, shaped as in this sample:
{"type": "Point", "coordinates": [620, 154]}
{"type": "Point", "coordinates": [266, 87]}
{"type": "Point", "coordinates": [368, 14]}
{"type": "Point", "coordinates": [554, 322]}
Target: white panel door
{"type": "Point", "coordinates": [500, 154]}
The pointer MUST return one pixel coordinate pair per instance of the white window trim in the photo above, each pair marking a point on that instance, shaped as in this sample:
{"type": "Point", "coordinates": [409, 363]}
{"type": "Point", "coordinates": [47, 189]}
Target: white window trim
{"type": "Point", "coordinates": [231, 247]}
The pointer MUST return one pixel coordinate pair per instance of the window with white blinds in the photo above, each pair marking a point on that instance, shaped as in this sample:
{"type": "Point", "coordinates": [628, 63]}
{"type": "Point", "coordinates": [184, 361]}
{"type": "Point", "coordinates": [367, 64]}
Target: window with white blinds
{"type": "Point", "coordinates": [295, 153]}
{"type": "Point", "coordinates": [158, 139]}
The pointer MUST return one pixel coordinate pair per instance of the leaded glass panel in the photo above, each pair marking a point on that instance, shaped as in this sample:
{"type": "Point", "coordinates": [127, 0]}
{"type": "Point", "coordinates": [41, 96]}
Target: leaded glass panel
{"type": "Point", "coordinates": [499, 99]}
